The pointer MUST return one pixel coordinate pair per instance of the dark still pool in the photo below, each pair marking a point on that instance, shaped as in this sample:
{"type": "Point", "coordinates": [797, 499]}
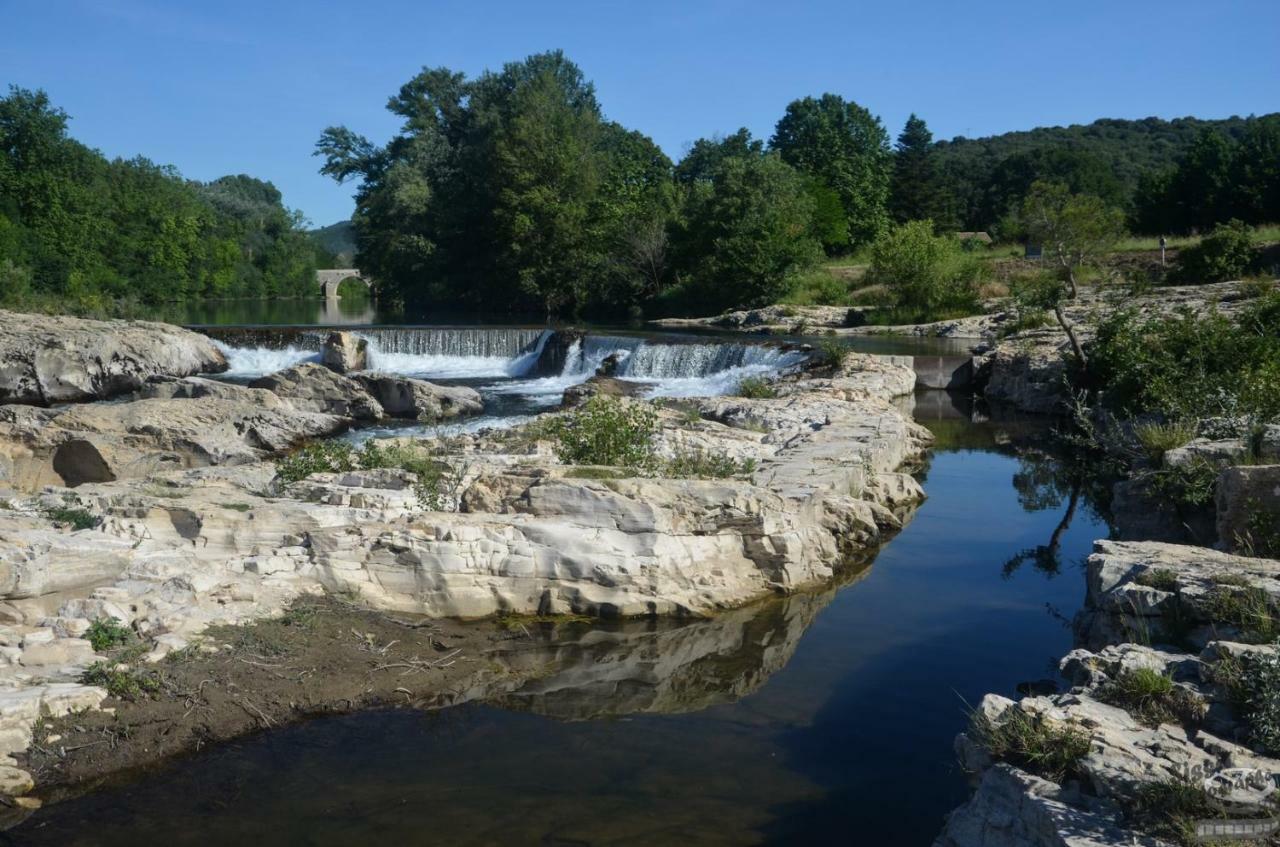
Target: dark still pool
{"type": "Point", "coordinates": [821, 718]}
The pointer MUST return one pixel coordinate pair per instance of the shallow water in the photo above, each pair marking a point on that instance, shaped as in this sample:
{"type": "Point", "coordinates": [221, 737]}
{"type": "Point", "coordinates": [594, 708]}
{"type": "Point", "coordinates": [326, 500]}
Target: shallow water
{"type": "Point", "coordinates": [825, 718]}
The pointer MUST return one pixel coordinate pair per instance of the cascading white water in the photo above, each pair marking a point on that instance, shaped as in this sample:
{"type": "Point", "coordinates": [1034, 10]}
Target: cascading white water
{"type": "Point", "coordinates": [511, 355]}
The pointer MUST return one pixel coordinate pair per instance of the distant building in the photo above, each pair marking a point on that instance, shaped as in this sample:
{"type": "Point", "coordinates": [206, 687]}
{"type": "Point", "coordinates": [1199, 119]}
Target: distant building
{"type": "Point", "coordinates": [980, 237]}
{"type": "Point", "coordinates": [1033, 251]}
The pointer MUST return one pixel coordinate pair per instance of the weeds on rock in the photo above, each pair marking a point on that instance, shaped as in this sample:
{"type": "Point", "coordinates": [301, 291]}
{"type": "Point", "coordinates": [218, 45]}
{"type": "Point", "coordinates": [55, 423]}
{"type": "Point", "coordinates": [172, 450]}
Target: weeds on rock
{"type": "Point", "coordinates": [72, 516]}
{"type": "Point", "coordinates": [1249, 609]}
{"type": "Point", "coordinates": [696, 463]}
{"type": "Point", "coordinates": [1053, 751]}
{"type": "Point", "coordinates": [757, 388]}
{"type": "Point", "coordinates": [105, 633]}
{"type": "Point", "coordinates": [832, 352]}
{"type": "Point", "coordinates": [1170, 809]}
{"type": "Point", "coordinates": [1159, 438]}
{"type": "Point", "coordinates": [1261, 537]}
{"type": "Point", "coordinates": [1152, 698]}
{"type": "Point", "coordinates": [121, 681]}
{"type": "Point", "coordinates": [1161, 579]}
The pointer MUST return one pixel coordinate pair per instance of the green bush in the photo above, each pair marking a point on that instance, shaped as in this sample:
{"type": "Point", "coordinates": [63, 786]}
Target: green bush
{"type": "Point", "coordinates": [925, 273]}
{"type": "Point", "coordinates": [124, 683]}
{"type": "Point", "coordinates": [1224, 254]}
{"type": "Point", "coordinates": [607, 431]}
{"type": "Point", "coordinates": [757, 388]}
{"type": "Point", "coordinates": [315, 457]}
{"type": "Point", "coordinates": [831, 352]}
{"type": "Point", "coordinates": [1260, 681]}
{"type": "Point", "coordinates": [105, 633]}
{"type": "Point", "coordinates": [1192, 367]}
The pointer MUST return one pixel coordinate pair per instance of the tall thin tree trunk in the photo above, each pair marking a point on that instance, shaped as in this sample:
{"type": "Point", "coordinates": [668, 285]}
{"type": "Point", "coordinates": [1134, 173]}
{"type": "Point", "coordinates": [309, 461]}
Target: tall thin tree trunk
{"type": "Point", "coordinates": [1071, 336]}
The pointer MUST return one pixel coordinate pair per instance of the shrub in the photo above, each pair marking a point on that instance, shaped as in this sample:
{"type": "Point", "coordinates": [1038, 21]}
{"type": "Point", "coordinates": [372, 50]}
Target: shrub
{"type": "Point", "coordinates": [1260, 685]}
{"type": "Point", "coordinates": [1192, 367]}
{"type": "Point", "coordinates": [606, 431]}
{"type": "Point", "coordinates": [315, 457]}
{"type": "Point", "coordinates": [105, 633]}
{"type": "Point", "coordinates": [756, 388]}
{"type": "Point", "coordinates": [72, 516]}
{"type": "Point", "coordinates": [1225, 253]}
{"type": "Point", "coordinates": [925, 273]}
{"type": "Point", "coordinates": [818, 287]}
{"type": "Point", "coordinates": [832, 352]}
{"type": "Point", "coordinates": [1152, 697]}
{"type": "Point", "coordinates": [124, 683]}
{"type": "Point", "coordinates": [1049, 750]}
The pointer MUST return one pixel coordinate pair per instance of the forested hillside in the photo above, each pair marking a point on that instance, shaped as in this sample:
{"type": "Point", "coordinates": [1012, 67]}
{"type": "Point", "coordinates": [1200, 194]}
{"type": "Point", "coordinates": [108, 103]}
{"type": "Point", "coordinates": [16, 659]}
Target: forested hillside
{"type": "Point", "coordinates": [77, 228]}
{"type": "Point", "coordinates": [1110, 156]}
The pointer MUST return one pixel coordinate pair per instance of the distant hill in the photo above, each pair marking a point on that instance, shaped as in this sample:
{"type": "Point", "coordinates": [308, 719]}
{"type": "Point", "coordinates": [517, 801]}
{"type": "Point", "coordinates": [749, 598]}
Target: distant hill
{"type": "Point", "coordinates": [1124, 149]}
{"type": "Point", "coordinates": [337, 244]}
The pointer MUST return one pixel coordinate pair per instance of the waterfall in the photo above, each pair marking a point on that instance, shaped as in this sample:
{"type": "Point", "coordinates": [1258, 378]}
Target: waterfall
{"type": "Point", "coordinates": [523, 360]}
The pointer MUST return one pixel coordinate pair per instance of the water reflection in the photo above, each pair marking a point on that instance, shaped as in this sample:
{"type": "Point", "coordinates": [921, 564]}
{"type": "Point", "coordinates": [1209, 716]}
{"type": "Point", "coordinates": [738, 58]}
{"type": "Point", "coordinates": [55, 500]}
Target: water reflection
{"type": "Point", "coordinates": [823, 718]}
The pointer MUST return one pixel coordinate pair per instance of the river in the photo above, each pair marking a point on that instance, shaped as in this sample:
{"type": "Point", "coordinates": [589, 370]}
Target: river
{"type": "Point", "coordinates": [823, 718]}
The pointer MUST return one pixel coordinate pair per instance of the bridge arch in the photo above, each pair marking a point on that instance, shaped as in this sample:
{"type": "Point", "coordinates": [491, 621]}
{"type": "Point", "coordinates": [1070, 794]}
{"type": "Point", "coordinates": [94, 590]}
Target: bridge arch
{"type": "Point", "coordinates": [329, 280]}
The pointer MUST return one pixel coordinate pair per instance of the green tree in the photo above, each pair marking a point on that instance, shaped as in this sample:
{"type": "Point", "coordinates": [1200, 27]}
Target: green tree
{"type": "Point", "coordinates": [917, 192]}
{"type": "Point", "coordinates": [746, 234]}
{"type": "Point", "coordinates": [925, 273]}
{"type": "Point", "coordinates": [846, 147]}
{"type": "Point", "coordinates": [1073, 229]}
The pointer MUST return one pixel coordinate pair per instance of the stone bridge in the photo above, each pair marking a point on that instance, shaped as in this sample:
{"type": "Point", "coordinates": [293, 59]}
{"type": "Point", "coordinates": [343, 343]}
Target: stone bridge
{"type": "Point", "coordinates": [330, 280]}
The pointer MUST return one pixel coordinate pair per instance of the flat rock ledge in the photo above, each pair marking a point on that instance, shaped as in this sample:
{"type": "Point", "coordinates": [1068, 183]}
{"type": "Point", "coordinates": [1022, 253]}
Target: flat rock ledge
{"type": "Point", "coordinates": [175, 424]}
{"type": "Point", "coordinates": [176, 551]}
{"type": "Point", "coordinates": [46, 360]}
{"type": "Point", "coordinates": [1140, 597]}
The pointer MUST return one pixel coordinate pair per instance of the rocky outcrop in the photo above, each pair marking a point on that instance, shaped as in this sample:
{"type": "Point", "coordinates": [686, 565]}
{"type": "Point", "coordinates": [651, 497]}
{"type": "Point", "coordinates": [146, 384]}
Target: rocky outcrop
{"type": "Point", "coordinates": [404, 397]}
{"type": "Point", "coordinates": [1248, 509]}
{"type": "Point", "coordinates": [104, 442]}
{"type": "Point", "coordinates": [1197, 735]}
{"type": "Point", "coordinates": [309, 387]}
{"type": "Point", "coordinates": [46, 360]}
{"type": "Point", "coordinates": [344, 352]}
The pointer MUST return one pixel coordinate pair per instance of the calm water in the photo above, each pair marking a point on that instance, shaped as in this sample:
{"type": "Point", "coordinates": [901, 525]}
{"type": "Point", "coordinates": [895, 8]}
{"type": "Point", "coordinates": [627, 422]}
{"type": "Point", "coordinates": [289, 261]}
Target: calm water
{"type": "Point", "coordinates": [825, 718]}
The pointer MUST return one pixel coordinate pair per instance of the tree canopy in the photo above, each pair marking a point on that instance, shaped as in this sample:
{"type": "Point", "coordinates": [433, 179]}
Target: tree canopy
{"type": "Point", "coordinates": [77, 226]}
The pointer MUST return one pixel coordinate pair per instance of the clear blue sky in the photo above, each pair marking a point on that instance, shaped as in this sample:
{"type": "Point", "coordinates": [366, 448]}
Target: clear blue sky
{"type": "Point", "coordinates": [246, 87]}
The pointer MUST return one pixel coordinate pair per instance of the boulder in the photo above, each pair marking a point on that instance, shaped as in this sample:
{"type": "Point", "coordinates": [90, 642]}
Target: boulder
{"type": "Point", "coordinates": [46, 360]}
{"type": "Point", "coordinates": [404, 397]}
{"type": "Point", "coordinates": [556, 351]}
{"type": "Point", "coordinates": [576, 395]}
{"type": "Point", "coordinates": [344, 352]}
{"type": "Point", "coordinates": [309, 387]}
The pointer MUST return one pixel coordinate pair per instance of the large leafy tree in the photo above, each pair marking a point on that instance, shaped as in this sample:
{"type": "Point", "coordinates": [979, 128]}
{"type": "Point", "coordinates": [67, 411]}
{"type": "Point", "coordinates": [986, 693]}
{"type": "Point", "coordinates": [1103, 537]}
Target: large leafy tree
{"type": "Point", "coordinates": [509, 191]}
{"type": "Point", "coordinates": [917, 192]}
{"type": "Point", "coordinates": [845, 146]}
{"type": "Point", "coordinates": [747, 231]}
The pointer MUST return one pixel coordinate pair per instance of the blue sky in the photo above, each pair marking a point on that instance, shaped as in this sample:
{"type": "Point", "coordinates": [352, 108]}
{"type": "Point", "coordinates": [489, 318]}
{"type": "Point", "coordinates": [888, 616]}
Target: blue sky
{"type": "Point", "coordinates": [246, 87]}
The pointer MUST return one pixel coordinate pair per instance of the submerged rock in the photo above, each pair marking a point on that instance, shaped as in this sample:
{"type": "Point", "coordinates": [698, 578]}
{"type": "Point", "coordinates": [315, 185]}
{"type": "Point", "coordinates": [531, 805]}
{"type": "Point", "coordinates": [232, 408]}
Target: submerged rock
{"type": "Point", "coordinates": [46, 360]}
